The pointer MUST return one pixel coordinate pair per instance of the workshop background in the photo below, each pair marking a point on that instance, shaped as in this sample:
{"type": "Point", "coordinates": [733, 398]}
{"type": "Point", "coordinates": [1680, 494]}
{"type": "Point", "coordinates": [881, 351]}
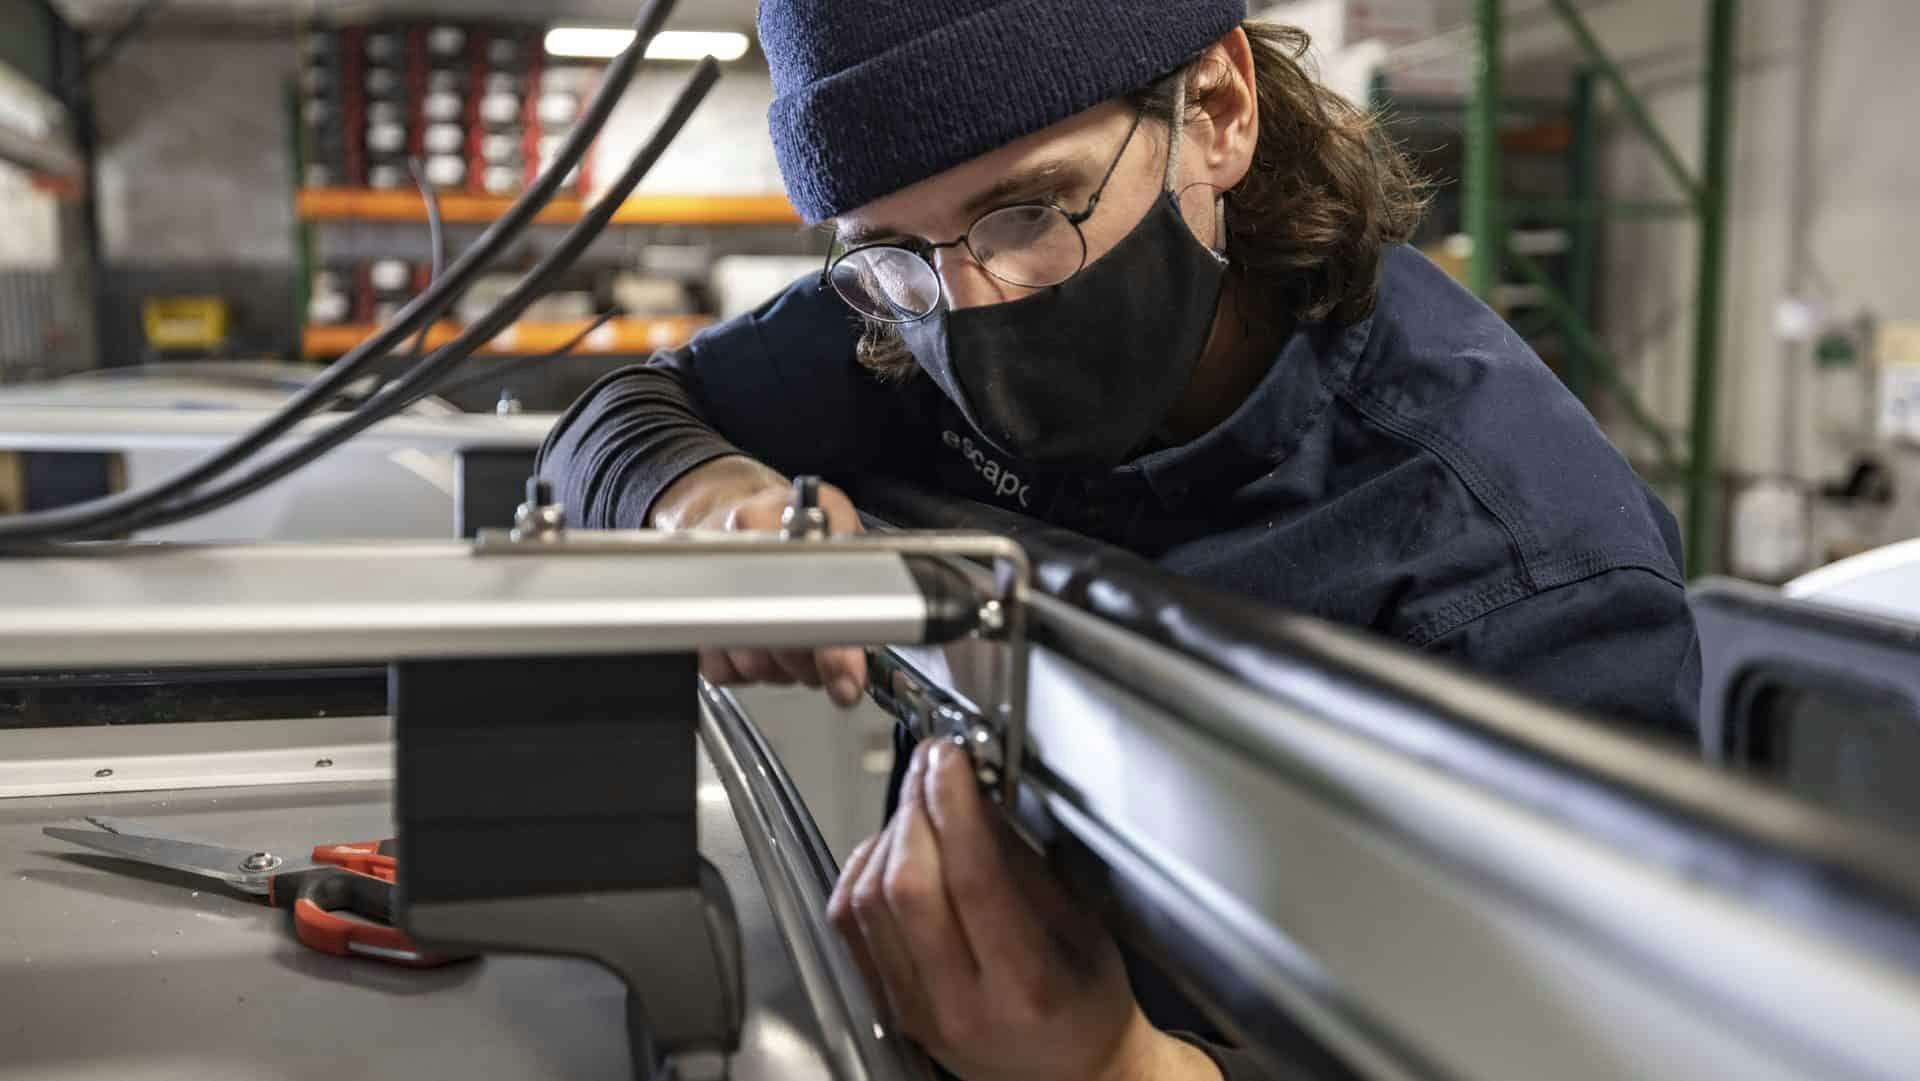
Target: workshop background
{"type": "Point", "coordinates": [1701, 212]}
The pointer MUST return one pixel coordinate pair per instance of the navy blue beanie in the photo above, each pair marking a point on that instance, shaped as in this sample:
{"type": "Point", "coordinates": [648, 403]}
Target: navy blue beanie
{"type": "Point", "coordinates": [872, 96]}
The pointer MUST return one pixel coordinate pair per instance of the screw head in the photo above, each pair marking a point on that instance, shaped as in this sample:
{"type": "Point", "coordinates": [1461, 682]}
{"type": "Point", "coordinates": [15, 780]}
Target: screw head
{"type": "Point", "coordinates": [260, 861]}
{"type": "Point", "coordinates": [993, 617]}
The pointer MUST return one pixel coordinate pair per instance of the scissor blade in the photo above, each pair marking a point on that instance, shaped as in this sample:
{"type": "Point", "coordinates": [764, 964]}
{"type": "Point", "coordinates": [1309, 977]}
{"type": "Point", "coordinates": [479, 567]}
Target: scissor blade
{"type": "Point", "coordinates": [134, 827]}
{"type": "Point", "coordinates": [211, 861]}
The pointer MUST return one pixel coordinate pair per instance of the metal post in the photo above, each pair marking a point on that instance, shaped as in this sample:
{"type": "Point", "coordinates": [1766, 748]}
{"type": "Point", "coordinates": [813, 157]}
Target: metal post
{"type": "Point", "coordinates": [1600, 361]}
{"type": "Point", "coordinates": [1584, 230]}
{"type": "Point", "coordinates": [1703, 468]}
{"type": "Point", "coordinates": [302, 231]}
{"type": "Point", "coordinates": [76, 94]}
{"type": "Point", "coordinates": [1483, 154]}
{"type": "Point", "coordinates": [1630, 102]}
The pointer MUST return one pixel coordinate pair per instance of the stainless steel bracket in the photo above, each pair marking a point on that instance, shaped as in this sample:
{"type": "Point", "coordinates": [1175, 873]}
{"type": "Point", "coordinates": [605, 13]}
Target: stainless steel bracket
{"type": "Point", "coordinates": [995, 737]}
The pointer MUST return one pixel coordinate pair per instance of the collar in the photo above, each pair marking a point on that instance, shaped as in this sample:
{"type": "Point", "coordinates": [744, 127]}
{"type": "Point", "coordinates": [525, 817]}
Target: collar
{"type": "Point", "coordinates": [1313, 366]}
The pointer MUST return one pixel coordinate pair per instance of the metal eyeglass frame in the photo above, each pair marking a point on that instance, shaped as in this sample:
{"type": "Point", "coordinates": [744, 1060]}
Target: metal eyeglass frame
{"type": "Point", "coordinates": [925, 250]}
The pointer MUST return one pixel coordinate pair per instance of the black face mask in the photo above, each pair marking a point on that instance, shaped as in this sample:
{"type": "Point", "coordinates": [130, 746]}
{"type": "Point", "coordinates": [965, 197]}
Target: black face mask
{"type": "Point", "coordinates": [1080, 375]}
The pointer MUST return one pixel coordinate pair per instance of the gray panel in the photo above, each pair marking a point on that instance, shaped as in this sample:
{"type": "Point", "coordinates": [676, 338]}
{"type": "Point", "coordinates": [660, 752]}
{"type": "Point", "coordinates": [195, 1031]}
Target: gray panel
{"type": "Point", "coordinates": [151, 976]}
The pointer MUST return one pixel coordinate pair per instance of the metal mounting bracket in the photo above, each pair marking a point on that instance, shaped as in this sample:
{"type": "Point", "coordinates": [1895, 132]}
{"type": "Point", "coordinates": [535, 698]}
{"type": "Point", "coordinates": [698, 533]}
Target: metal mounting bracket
{"type": "Point", "coordinates": [996, 737]}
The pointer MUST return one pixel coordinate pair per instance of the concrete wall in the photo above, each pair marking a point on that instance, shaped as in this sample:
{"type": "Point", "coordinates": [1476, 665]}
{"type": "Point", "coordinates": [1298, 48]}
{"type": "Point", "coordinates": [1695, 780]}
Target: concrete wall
{"type": "Point", "coordinates": [725, 148]}
{"type": "Point", "coordinates": [1825, 171]}
{"type": "Point", "coordinates": [195, 155]}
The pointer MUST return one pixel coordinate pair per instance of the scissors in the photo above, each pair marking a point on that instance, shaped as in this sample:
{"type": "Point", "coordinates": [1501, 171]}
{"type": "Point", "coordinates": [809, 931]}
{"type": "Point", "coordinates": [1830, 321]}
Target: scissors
{"type": "Point", "coordinates": [341, 878]}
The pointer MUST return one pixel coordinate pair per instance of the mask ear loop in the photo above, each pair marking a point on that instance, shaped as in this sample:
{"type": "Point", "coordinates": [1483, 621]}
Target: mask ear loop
{"type": "Point", "coordinates": [1173, 169]}
{"type": "Point", "coordinates": [1179, 128]}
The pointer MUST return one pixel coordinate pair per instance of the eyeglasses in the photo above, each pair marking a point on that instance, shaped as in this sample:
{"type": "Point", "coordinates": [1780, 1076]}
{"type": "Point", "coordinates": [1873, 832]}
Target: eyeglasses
{"type": "Point", "coordinates": [1028, 245]}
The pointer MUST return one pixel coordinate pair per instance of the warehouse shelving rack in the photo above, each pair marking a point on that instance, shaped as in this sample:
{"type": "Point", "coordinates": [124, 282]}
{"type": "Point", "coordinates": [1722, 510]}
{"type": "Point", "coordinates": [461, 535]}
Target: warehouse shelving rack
{"type": "Point", "coordinates": [1567, 302]}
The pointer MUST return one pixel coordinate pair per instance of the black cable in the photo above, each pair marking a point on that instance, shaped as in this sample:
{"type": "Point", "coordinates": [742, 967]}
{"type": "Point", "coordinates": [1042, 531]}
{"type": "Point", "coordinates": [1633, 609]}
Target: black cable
{"type": "Point", "coordinates": [500, 371]}
{"type": "Point", "coordinates": [422, 381]}
{"type": "Point", "coordinates": [105, 516]}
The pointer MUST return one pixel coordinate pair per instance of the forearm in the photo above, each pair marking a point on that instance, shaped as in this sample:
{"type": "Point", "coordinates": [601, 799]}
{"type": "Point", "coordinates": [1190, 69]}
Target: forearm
{"type": "Point", "coordinates": [706, 496]}
{"type": "Point", "coordinates": [625, 444]}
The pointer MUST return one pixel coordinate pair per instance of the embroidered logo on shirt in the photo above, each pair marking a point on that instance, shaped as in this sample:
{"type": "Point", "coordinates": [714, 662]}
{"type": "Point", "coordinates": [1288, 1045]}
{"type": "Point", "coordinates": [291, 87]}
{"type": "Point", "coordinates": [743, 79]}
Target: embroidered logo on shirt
{"type": "Point", "coordinates": [1003, 482]}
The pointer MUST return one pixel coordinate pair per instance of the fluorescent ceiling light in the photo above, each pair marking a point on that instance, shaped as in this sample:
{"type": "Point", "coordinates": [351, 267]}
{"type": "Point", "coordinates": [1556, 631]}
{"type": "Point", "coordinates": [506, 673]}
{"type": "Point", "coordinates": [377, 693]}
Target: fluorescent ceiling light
{"type": "Point", "coordinates": [605, 43]}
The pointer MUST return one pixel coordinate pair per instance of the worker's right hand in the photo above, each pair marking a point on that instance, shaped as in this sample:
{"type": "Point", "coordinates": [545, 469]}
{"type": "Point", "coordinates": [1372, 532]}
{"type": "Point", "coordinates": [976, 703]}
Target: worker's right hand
{"type": "Point", "coordinates": [740, 494]}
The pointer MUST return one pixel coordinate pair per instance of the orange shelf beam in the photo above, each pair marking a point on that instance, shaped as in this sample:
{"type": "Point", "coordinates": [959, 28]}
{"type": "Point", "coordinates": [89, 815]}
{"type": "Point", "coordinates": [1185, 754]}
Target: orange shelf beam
{"type": "Point", "coordinates": [358, 204]}
{"type": "Point", "coordinates": [621, 337]}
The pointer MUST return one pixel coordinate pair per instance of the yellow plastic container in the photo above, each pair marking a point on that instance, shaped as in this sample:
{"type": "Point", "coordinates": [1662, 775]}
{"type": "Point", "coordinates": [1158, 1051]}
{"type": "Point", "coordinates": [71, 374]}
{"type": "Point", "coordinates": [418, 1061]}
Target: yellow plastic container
{"type": "Point", "coordinates": [176, 324]}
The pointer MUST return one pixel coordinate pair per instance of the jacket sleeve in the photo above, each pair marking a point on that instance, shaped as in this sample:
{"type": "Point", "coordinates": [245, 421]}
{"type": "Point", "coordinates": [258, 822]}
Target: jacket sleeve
{"type": "Point", "coordinates": [780, 385]}
{"type": "Point", "coordinates": [1620, 645]}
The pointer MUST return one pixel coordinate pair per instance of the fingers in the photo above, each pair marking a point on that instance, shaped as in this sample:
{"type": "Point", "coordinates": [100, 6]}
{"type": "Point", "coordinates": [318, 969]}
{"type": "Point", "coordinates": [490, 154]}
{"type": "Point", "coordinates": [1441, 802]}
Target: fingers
{"type": "Point", "coordinates": [844, 672]}
{"type": "Point", "coordinates": [841, 672]}
{"type": "Point", "coordinates": [799, 666]}
{"type": "Point", "coordinates": [1006, 939]}
{"type": "Point", "coordinates": [718, 670]}
{"type": "Point", "coordinates": [899, 980]}
{"type": "Point", "coordinates": [840, 914]}
{"type": "Point", "coordinates": [916, 895]}
{"type": "Point", "coordinates": [1081, 932]}
{"type": "Point", "coordinates": [842, 518]}
{"type": "Point", "coordinates": [758, 666]}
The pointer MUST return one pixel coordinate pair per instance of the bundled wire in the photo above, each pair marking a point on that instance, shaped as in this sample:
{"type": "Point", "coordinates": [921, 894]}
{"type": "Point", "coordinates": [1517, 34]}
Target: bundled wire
{"type": "Point", "coordinates": [118, 514]}
{"type": "Point", "coordinates": [425, 378]}
{"type": "Point", "coordinates": [437, 240]}
{"type": "Point", "coordinates": [437, 237]}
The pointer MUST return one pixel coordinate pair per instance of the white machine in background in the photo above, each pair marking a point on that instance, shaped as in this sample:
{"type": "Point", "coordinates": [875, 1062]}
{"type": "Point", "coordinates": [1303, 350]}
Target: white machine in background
{"type": "Point", "coordinates": [1886, 581]}
{"type": "Point", "coordinates": [433, 473]}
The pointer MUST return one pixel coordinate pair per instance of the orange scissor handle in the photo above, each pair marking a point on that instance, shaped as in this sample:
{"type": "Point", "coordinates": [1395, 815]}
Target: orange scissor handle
{"type": "Point", "coordinates": [374, 858]}
{"type": "Point", "coordinates": [325, 899]}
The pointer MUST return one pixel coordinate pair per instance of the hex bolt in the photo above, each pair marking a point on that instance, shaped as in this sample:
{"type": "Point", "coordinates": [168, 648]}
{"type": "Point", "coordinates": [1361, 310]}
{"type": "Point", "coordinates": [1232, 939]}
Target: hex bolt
{"type": "Point", "coordinates": [804, 519]}
{"type": "Point", "coordinates": [539, 518]}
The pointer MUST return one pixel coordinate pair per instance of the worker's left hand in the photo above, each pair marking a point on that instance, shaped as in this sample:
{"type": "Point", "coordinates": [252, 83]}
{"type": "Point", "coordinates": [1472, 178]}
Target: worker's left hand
{"type": "Point", "coordinates": [979, 954]}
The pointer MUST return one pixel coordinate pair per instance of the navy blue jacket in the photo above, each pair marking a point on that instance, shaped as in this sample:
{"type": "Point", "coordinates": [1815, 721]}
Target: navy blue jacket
{"type": "Point", "coordinates": [1420, 474]}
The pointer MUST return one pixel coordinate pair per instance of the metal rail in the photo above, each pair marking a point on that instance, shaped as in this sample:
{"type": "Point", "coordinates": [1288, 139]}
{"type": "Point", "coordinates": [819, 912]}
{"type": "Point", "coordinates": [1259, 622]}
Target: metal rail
{"type": "Point", "coordinates": [1342, 863]}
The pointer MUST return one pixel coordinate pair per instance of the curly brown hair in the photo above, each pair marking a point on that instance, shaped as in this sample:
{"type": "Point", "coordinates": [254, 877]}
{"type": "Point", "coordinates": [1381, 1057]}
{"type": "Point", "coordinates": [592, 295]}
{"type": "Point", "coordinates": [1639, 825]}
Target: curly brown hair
{"type": "Point", "coordinates": [1326, 193]}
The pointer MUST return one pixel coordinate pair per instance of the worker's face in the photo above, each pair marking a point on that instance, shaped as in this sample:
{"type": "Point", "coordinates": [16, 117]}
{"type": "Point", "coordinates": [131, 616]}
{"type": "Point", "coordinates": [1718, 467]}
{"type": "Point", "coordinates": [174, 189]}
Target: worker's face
{"type": "Point", "coordinates": [1063, 165]}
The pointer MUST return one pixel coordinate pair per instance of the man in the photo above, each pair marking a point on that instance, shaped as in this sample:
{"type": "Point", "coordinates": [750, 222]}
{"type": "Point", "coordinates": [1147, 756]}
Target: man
{"type": "Point", "coordinates": [1125, 268]}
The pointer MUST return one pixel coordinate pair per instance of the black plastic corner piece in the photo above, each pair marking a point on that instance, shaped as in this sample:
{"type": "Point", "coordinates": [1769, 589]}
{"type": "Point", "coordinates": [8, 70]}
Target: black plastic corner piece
{"type": "Point", "coordinates": [525, 777]}
{"type": "Point", "coordinates": [548, 806]}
